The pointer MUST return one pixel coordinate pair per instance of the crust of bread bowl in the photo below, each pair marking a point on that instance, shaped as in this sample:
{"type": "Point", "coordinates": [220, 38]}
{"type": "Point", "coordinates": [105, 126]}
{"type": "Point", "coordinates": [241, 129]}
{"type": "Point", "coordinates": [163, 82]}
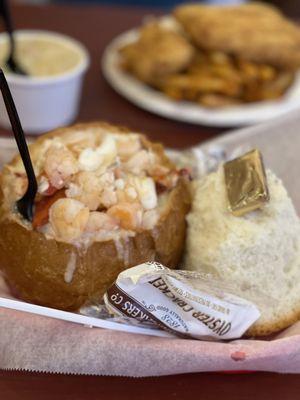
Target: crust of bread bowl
{"type": "Point", "coordinates": [35, 266]}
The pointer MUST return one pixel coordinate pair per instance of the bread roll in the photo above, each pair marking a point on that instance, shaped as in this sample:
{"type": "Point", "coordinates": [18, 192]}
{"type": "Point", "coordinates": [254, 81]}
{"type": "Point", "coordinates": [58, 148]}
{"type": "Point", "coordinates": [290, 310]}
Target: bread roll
{"type": "Point", "coordinates": [259, 253]}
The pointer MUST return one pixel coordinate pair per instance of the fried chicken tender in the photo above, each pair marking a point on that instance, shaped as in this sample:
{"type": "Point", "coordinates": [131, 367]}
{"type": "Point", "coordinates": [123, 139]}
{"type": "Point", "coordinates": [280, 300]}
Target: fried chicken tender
{"type": "Point", "coordinates": [158, 52]}
{"type": "Point", "coordinates": [255, 32]}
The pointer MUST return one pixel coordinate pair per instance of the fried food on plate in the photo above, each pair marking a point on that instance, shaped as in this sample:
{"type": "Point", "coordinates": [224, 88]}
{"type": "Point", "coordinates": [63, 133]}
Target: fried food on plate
{"type": "Point", "coordinates": [255, 32]}
{"type": "Point", "coordinates": [217, 56]}
{"type": "Point", "coordinates": [108, 199]}
{"type": "Point", "coordinates": [215, 79]}
{"type": "Point", "coordinates": [212, 100]}
{"type": "Point", "coordinates": [159, 51]}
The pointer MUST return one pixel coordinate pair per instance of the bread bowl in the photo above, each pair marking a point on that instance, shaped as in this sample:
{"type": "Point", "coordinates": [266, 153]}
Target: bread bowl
{"type": "Point", "coordinates": [108, 199]}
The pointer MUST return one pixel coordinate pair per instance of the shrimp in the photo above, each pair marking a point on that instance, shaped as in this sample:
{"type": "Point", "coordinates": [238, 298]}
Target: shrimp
{"type": "Point", "coordinates": [100, 158]}
{"type": "Point", "coordinates": [60, 165]}
{"type": "Point", "coordinates": [146, 190]}
{"type": "Point", "coordinates": [68, 219]}
{"type": "Point", "coordinates": [127, 192]}
{"type": "Point", "coordinates": [130, 193]}
{"type": "Point", "coordinates": [77, 141]}
{"type": "Point", "coordinates": [109, 197]}
{"type": "Point", "coordinates": [128, 145]}
{"type": "Point", "coordinates": [100, 221]}
{"type": "Point", "coordinates": [139, 162]}
{"type": "Point", "coordinates": [128, 215]}
{"type": "Point", "coordinates": [87, 188]}
{"type": "Point", "coordinates": [138, 189]}
{"type": "Point", "coordinates": [93, 190]}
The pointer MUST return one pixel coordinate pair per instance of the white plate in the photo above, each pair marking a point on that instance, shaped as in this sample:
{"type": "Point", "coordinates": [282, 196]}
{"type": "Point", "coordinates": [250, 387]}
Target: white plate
{"type": "Point", "coordinates": [156, 102]}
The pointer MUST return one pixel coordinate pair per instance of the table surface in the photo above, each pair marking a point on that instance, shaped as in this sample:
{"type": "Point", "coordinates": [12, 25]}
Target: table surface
{"type": "Point", "coordinates": [95, 26]}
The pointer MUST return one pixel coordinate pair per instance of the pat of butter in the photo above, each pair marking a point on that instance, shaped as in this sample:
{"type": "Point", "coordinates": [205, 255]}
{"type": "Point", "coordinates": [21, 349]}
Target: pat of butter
{"type": "Point", "coordinates": [246, 183]}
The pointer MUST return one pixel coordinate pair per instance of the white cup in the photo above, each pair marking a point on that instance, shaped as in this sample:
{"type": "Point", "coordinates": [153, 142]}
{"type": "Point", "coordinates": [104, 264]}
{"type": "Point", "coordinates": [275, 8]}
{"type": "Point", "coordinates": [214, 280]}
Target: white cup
{"type": "Point", "coordinates": [45, 103]}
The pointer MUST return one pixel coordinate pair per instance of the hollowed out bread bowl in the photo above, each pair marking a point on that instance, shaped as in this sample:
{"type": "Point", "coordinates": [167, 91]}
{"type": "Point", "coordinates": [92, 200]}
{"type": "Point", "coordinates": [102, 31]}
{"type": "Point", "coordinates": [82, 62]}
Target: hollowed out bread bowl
{"type": "Point", "coordinates": [51, 267]}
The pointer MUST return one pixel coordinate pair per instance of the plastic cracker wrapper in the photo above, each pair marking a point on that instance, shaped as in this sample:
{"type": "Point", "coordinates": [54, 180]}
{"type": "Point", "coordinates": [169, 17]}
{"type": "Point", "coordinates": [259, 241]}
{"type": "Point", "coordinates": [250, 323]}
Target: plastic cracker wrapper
{"type": "Point", "coordinates": [184, 303]}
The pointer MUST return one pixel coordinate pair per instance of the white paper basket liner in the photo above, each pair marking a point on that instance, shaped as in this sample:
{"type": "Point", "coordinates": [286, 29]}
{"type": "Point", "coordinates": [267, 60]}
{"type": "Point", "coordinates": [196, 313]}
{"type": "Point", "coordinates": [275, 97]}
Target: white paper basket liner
{"type": "Point", "coordinates": [31, 340]}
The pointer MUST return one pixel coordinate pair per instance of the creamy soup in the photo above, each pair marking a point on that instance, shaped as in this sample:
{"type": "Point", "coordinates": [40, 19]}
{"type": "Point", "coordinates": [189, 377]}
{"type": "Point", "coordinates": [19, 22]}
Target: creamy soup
{"type": "Point", "coordinates": [42, 56]}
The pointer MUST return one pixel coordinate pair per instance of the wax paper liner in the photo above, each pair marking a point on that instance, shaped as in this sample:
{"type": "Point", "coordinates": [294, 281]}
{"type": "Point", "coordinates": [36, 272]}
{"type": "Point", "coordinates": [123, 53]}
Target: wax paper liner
{"type": "Point", "coordinates": [38, 343]}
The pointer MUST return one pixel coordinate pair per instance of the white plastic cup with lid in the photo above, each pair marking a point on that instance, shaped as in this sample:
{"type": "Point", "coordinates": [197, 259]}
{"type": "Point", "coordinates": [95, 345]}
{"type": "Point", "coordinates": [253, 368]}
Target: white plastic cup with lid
{"type": "Point", "coordinates": [46, 102]}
